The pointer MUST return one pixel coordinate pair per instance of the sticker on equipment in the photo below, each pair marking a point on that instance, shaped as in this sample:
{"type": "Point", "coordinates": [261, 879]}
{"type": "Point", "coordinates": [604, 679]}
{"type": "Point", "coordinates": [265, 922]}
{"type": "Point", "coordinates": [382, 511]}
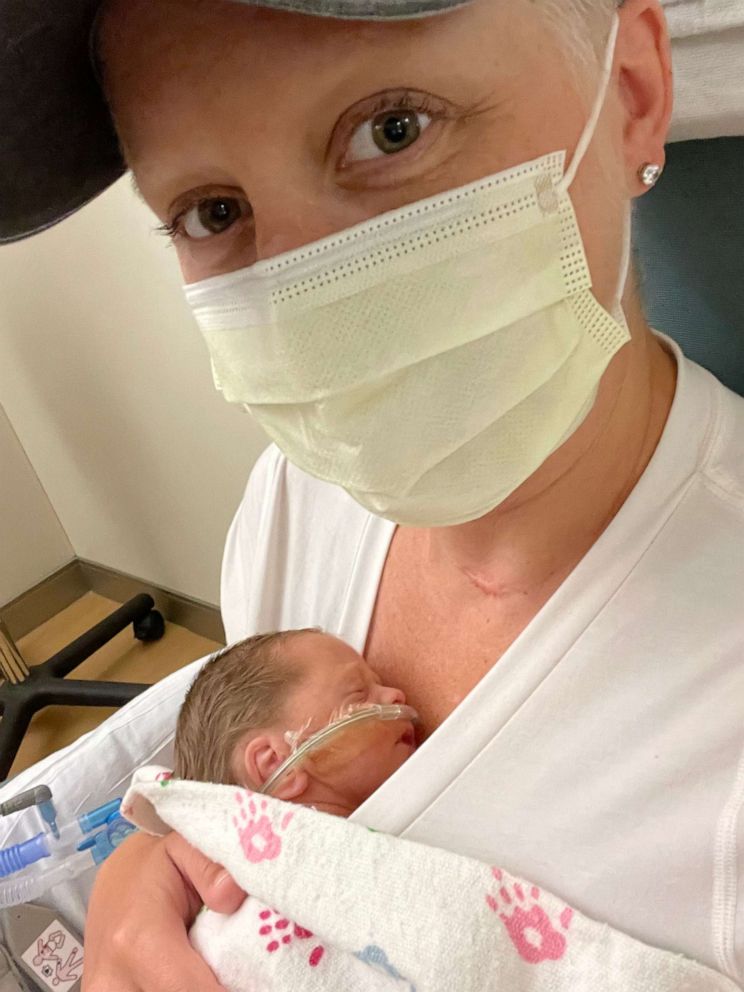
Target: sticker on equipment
{"type": "Point", "coordinates": [55, 958]}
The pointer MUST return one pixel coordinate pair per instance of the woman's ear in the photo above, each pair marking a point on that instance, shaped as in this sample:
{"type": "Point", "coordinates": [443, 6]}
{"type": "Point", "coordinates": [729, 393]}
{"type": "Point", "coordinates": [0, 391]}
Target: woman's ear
{"type": "Point", "coordinates": [646, 86]}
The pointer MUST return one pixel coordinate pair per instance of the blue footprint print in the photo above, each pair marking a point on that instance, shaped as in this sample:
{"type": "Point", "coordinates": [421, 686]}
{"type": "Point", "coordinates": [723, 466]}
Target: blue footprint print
{"type": "Point", "coordinates": [377, 958]}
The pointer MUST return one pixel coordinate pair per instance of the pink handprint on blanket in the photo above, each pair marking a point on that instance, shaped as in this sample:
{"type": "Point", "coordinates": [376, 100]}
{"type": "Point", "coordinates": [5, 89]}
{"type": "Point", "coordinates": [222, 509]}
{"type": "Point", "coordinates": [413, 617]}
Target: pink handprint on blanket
{"type": "Point", "coordinates": [258, 838]}
{"type": "Point", "coordinates": [530, 928]}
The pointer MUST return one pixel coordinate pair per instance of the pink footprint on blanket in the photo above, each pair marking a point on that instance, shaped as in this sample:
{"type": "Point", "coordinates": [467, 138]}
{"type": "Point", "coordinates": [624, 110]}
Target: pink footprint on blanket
{"type": "Point", "coordinates": [282, 931]}
{"type": "Point", "coordinates": [259, 840]}
{"type": "Point", "coordinates": [527, 923]}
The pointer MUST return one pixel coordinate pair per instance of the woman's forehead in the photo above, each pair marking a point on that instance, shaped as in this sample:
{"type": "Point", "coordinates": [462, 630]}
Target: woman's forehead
{"type": "Point", "coordinates": [195, 55]}
{"type": "Point", "coordinates": [151, 41]}
{"type": "Point", "coordinates": [138, 34]}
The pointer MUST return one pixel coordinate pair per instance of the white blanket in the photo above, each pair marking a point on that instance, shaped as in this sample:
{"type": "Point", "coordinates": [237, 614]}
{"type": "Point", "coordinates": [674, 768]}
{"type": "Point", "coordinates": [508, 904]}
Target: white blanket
{"type": "Point", "coordinates": [336, 906]}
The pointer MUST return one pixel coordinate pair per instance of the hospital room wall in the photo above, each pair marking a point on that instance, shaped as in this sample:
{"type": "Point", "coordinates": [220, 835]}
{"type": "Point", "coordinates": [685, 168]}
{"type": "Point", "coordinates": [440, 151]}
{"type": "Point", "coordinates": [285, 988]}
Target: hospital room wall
{"type": "Point", "coordinates": [33, 543]}
{"type": "Point", "coordinates": [106, 382]}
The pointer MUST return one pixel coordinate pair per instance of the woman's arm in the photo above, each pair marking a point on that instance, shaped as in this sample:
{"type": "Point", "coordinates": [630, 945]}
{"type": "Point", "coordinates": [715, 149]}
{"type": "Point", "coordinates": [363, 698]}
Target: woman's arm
{"type": "Point", "coordinates": [143, 903]}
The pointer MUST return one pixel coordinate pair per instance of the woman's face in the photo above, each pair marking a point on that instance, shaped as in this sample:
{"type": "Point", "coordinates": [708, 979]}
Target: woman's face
{"type": "Point", "coordinates": [253, 132]}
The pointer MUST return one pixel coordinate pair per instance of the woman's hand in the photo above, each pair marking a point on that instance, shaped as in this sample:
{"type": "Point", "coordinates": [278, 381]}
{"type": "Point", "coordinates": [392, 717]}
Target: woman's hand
{"type": "Point", "coordinates": [145, 898]}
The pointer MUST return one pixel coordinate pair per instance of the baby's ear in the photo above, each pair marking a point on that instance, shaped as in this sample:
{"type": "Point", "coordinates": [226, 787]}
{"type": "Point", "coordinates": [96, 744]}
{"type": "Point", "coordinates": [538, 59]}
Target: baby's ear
{"type": "Point", "coordinates": [261, 756]}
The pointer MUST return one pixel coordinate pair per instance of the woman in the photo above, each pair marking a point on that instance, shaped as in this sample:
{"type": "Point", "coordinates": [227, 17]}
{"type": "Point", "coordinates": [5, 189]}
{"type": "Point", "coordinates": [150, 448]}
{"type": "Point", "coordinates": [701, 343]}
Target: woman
{"type": "Point", "coordinates": [559, 601]}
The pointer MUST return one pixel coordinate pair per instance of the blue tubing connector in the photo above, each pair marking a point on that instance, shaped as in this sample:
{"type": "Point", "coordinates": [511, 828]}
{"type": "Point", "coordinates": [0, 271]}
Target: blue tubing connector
{"type": "Point", "coordinates": [98, 817]}
{"type": "Point", "coordinates": [49, 816]}
{"type": "Point", "coordinates": [13, 859]}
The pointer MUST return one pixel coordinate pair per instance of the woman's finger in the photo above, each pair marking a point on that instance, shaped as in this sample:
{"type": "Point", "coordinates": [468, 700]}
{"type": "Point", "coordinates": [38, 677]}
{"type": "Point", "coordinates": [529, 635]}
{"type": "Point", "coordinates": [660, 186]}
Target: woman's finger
{"type": "Point", "coordinates": [211, 882]}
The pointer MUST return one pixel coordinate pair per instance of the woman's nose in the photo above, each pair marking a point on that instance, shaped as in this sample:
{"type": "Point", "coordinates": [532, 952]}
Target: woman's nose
{"type": "Point", "coordinates": [387, 696]}
{"type": "Point", "coordinates": [285, 223]}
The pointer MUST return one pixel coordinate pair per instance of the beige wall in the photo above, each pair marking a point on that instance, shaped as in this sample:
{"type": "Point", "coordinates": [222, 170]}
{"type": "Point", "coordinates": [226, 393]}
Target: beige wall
{"type": "Point", "coordinates": [33, 543]}
{"type": "Point", "coordinates": [106, 380]}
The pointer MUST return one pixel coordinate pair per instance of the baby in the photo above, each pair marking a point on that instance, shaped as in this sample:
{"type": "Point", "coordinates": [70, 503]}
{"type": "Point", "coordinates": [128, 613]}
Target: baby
{"type": "Point", "coordinates": [233, 726]}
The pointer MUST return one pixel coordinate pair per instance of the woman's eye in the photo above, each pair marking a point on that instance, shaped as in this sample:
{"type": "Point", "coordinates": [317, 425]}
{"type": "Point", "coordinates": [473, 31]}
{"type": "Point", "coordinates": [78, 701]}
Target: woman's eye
{"type": "Point", "coordinates": [387, 134]}
{"type": "Point", "coordinates": [210, 217]}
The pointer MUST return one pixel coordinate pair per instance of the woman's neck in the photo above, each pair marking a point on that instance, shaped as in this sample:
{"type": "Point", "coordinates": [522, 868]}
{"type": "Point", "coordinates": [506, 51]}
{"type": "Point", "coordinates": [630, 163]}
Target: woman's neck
{"type": "Point", "coordinates": [547, 526]}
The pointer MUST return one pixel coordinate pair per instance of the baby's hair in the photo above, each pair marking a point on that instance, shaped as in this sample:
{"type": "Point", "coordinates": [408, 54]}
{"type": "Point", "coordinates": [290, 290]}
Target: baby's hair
{"type": "Point", "coordinates": [242, 687]}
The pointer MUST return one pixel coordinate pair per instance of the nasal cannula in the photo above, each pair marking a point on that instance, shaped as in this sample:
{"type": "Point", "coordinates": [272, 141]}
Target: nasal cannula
{"type": "Point", "coordinates": [320, 739]}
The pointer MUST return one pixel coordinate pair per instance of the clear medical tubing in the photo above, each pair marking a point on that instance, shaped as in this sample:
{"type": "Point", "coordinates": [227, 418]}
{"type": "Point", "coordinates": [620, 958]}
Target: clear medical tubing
{"type": "Point", "coordinates": [31, 886]}
{"type": "Point", "coordinates": [94, 850]}
{"type": "Point", "coordinates": [55, 840]}
{"type": "Point", "coordinates": [328, 733]}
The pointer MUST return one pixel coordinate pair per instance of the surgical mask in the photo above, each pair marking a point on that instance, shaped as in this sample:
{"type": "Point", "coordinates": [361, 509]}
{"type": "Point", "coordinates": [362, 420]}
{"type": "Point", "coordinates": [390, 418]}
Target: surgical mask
{"type": "Point", "coordinates": [430, 360]}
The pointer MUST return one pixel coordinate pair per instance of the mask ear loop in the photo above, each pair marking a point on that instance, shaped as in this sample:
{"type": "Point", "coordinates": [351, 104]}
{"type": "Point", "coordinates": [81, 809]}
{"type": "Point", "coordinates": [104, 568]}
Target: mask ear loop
{"type": "Point", "coordinates": [617, 312]}
{"type": "Point", "coordinates": [591, 125]}
{"type": "Point", "coordinates": [581, 149]}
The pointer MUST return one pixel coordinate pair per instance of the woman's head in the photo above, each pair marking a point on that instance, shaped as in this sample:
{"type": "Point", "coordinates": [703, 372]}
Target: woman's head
{"type": "Point", "coordinates": [256, 131]}
{"type": "Point", "coordinates": [252, 133]}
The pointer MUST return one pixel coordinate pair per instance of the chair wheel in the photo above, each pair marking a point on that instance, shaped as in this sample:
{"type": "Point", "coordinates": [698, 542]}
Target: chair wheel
{"type": "Point", "coordinates": [150, 627]}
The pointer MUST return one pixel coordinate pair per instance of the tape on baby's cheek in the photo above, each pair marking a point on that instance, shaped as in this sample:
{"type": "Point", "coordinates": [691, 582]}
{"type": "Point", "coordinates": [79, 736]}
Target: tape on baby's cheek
{"type": "Point", "coordinates": [349, 745]}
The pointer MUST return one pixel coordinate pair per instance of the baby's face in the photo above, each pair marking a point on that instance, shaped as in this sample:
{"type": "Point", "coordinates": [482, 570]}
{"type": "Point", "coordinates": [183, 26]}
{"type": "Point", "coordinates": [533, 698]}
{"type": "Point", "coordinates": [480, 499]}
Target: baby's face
{"type": "Point", "coordinates": [337, 677]}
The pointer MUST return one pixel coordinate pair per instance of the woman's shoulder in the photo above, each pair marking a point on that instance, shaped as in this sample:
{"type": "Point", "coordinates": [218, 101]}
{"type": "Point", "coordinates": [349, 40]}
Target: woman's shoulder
{"type": "Point", "coordinates": [300, 552]}
{"type": "Point", "coordinates": [723, 465]}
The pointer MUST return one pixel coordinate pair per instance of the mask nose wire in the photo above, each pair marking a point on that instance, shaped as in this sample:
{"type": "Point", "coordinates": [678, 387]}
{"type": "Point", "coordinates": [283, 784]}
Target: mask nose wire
{"type": "Point", "coordinates": [591, 125]}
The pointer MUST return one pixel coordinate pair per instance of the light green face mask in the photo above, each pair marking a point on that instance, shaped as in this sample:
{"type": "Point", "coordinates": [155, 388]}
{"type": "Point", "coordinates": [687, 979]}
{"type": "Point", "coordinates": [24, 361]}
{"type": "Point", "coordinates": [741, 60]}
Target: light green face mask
{"type": "Point", "coordinates": [431, 359]}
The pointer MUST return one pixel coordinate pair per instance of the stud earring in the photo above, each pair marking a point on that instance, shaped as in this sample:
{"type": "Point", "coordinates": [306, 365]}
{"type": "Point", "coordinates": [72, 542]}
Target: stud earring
{"type": "Point", "coordinates": [650, 173]}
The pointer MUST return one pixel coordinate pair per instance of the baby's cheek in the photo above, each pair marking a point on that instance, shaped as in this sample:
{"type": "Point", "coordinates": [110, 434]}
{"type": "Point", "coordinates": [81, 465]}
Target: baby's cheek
{"type": "Point", "coordinates": [371, 771]}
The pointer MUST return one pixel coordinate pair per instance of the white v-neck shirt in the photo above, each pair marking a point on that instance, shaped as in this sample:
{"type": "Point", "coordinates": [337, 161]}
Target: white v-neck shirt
{"type": "Point", "coordinates": [602, 757]}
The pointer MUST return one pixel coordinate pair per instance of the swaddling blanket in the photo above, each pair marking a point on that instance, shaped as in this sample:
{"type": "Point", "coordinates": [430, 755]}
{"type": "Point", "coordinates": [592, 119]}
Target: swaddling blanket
{"type": "Point", "coordinates": [336, 906]}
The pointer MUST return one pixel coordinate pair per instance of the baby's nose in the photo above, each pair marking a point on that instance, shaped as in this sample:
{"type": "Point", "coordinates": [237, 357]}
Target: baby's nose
{"type": "Point", "coordinates": [388, 696]}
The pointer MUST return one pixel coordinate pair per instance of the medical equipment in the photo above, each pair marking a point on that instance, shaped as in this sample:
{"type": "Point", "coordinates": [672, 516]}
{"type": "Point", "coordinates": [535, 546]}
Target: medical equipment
{"type": "Point", "coordinates": [330, 736]}
{"type": "Point", "coordinates": [44, 947]}
{"type": "Point", "coordinates": [39, 943]}
{"type": "Point", "coordinates": [60, 851]}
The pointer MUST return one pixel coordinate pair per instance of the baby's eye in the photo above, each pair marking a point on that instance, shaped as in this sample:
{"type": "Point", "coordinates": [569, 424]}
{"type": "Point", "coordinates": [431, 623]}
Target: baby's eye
{"type": "Point", "coordinates": [213, 216]}
{"type": "Point", "coordinates": [387, 133]}
{"type": "Point", "coordinates": [357, 701]}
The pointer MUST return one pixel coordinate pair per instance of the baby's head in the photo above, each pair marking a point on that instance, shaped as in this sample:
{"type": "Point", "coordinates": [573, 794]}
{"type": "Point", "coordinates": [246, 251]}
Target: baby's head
{"type": "Point", "coordinates": [233, 725]}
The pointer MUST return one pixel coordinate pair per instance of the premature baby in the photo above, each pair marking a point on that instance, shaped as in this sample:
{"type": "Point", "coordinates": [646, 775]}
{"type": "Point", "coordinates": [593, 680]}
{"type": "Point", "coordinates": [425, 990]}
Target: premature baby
{"type": "Point", "coordinates": [234, 723]}
{"type": "Point", "coordinates": [334, 905]}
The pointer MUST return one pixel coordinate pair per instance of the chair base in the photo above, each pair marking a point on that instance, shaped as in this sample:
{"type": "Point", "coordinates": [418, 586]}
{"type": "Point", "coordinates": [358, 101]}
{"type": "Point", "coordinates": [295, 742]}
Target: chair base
{"type": "Point", "coordinates": [46, 684]}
